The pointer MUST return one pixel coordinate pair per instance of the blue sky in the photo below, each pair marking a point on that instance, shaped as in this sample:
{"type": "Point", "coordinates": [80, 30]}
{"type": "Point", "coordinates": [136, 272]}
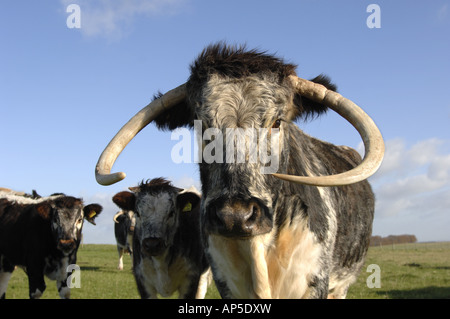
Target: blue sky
{"type": "Point", "coordinates": [65, 92]}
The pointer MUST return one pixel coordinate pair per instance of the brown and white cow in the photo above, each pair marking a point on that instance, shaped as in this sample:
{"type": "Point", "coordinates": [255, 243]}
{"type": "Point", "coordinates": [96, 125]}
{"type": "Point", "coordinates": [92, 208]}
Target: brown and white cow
{"type": "Point", "coordinates": [168, 253]}
{"type": "Point", "coordinates": [41, 235]}
{"type": "Point", "coordinates": [297, 229]}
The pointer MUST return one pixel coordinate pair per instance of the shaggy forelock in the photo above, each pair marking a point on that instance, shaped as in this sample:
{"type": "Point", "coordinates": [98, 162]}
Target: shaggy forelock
{"type": "Point", "coordinates": [238, 62]}
{"type": "Point", "coordinates": [157, 185]}
{"type": "Point", "coordinates": [245, 103]}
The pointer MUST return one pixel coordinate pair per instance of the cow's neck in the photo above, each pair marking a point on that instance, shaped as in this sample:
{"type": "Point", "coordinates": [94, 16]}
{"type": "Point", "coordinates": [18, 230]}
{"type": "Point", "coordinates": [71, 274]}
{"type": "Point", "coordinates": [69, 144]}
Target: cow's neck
{"type": "Point", "coordinates": [162, 273]}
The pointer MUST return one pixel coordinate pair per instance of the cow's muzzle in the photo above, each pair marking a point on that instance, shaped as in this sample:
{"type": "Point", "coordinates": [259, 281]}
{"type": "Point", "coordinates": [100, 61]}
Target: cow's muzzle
{"type": "Point", "coordinates": [153, 246]}
{"type": "Point", "coordinates": [66, 245]}
{"type": "Point", "coordinates": [238, 218]}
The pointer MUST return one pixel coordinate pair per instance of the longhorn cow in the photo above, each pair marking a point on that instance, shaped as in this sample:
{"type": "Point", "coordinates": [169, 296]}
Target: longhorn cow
{"type": "Point", "coordinates": [300, 232]}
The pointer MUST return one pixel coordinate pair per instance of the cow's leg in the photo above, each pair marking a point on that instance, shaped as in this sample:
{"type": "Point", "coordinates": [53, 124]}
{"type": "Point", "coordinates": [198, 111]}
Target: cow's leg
{"type": "Point", "coordinates": [62, 279]}
{"type": "Point", "coordinates": [121, 251]}
{"type": "Point", "coordinates": [63, 289]}
{"type": "Point", "coordinates": [145, 290]}
{"type": "Point", "coordinates": [340, 287]}
{"type": "Point", "coordinates": [130, 244]}
{"type": "Point", "coordinates": [189, 288]}
{"type": "Point", "coordinates": [36, 282]}
{"type": "Point", "coordinates": [203, 284]}
{"type": "Point", "coordinates": [131, 258]}
{"type": "Point", "coordinates": [318, 288]}
{"type": "Point", "coordinates": [152, 293]}
{"type": "Point", "coordinates": [6, 270]}
{"type": "Point", "coordinates": [4, 279]}
{"type": "Point", "coordinates": [338, 293]}
{"type": "Point", "coordinates": [196, 287]}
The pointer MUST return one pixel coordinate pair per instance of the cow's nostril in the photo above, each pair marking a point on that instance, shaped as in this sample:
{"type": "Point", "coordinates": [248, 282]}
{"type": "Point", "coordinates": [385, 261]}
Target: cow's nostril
{"type": "Point", "coordinates": [216, 216]}
{"type": "Point", "coordinates": [255, 212]}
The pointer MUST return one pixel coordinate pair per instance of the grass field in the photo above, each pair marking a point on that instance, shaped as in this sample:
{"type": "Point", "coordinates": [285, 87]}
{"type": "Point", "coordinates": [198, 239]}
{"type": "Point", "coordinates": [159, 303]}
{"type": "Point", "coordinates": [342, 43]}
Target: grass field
{"type": "Point", "coordinates": [406, 271]}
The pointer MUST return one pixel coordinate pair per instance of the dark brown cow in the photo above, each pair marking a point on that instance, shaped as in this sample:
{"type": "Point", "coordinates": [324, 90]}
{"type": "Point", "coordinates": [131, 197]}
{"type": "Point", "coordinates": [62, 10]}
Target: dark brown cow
{"type": "Point", "coordinates": [42, 235]}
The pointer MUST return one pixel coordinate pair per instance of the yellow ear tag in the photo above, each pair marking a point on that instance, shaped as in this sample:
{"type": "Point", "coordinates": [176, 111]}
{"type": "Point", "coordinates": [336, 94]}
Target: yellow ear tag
{"type": "Point", "coordinates": [187, 207]}
{"type": "Point", "coordinates": [92, 214]}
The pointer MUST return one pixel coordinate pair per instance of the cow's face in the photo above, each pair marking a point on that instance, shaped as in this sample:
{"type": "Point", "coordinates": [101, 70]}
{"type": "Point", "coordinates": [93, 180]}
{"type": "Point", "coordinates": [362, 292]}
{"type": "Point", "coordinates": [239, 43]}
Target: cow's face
{"type": "Point", "coordinates": [236, 187]}
{"type": "Point", "coordinates": [66, 215]}
{"type": "Point", "coordinates": [232, 91]}
{"type": "Point", "coordinates": [67, 222]}
{"type": "Point", "coordinates": [157, 221]}
{"type": "Point", "coordinates": [157, 206]}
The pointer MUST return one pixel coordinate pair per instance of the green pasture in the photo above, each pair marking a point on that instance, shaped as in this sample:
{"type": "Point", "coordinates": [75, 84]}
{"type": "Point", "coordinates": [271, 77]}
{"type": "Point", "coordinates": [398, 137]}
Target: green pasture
{"type": "Point", "coordinates": [406, 271]}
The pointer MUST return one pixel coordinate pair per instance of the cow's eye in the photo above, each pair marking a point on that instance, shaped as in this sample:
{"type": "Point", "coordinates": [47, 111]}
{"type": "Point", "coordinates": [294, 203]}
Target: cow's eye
{"type": "Point", "coordinates": [276, 124]}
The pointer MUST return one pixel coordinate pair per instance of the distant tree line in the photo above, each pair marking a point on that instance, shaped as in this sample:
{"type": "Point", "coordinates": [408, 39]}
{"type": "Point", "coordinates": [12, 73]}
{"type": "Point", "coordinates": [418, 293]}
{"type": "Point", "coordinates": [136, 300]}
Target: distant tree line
{"type": "Point", "coordinates": [392, 239]}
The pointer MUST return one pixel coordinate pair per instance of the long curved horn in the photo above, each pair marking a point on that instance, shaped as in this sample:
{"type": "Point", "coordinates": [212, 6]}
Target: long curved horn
{"type": "Point", "coordinates": [371, 136]}
{"type": "Point", "coordinates": [120, 212]}
{"type": "Point", "coordinates": [373, 141]}
{"type": "Point", "coordinates": [129, 130]}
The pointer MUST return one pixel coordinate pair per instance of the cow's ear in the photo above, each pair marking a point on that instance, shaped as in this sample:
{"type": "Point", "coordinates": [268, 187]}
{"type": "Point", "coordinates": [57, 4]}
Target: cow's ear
{"type": "Point", "coordinates": [44, 210]}
{"type": "Point", "coordinates": [125, 200]}
{"type": "Point", "coordinates": [187, 201]}
{"type": "Point", "coordinates": [307, 108]}
{"type": "Point", "coordinates": [179, 115]}
{"type": "Point", "coordinates": [91, 212]}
